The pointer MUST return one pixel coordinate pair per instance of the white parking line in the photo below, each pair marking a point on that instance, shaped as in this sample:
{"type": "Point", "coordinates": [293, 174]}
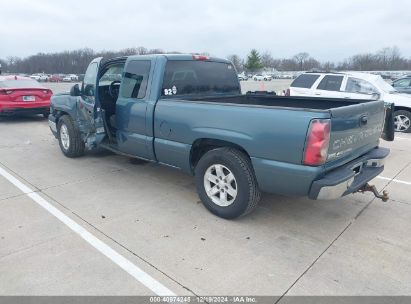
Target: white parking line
{"type": "Point", "coordinates": [114, 256]}
{"type": "Point", "coordinates": [394, 180]}
{"type": "Point", "coordinates": [402, 138]}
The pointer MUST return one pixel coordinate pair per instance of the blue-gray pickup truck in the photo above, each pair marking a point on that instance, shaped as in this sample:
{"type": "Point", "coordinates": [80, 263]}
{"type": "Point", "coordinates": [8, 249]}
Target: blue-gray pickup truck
{"type": "Point", "coordinates": [187, 112]}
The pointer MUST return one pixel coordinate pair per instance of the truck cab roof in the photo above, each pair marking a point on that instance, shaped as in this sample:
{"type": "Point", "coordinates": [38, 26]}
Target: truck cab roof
{"type": "Point", "coordinates": [170, 57]}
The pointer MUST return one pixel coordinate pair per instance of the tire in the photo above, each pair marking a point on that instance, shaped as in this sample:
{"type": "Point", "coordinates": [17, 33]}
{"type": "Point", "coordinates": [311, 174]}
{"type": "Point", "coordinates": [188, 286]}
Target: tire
{"type": "Point", "coordinates": [244, 188]}
{"type": "Point", "coordinates": [75, 145]}
{"type": "Point", "coordinates": [402, 121]}
{"type": "Point", "coordinates": [46, 114]}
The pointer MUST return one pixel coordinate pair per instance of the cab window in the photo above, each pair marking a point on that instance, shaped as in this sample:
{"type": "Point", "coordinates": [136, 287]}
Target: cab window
{"type": "Point", "coordinates": [135, 79]}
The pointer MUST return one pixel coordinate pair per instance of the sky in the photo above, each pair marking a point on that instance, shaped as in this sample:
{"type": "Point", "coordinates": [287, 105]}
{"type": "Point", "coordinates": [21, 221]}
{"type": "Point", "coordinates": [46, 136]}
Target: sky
{"type": "Point", "coordinates": [328, 30]}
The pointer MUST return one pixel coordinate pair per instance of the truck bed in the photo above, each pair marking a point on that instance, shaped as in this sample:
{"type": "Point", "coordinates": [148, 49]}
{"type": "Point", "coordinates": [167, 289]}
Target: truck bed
{"type": "Point", "coordinates": [304, 103]}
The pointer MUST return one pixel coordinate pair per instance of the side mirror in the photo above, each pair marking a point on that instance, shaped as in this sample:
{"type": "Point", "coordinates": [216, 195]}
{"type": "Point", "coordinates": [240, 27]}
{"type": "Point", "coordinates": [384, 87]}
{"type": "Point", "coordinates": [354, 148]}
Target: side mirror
{"type": "Point", "coordinates": [75, 90]}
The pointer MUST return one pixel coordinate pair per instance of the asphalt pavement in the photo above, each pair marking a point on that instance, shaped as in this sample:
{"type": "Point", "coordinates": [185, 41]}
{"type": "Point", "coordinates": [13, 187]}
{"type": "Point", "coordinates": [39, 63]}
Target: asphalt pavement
{"type": "Point", "coordinates": [107, 225]}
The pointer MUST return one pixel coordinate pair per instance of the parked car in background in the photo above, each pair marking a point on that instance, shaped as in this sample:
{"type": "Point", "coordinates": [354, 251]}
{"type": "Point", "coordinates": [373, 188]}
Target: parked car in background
{"type": "Point", "coordinates": [35, 77]}
{"type": "Point", "coordinates": [73, 77]}
{"type": "Point", "coordinates": [403, 85]}
{"type": "Point", "coordinates": [43, 77]}
{"type": "Point", "coordinates": [267, 77]}
{"type": "Point", "coordinates": [67, 79]}
{"type": "Point", "coordinates": [354, 85]}
{"type": "Point", "coordinates": [187, 112]}
{"type": "Point", "coordinates": [23, 95]}
{"type": "Point", "coordinates": [242, 77]}
{"type": "Point", "coordinates": [55, 78]}
{"type": "Point", "coordinates": [258, 77]}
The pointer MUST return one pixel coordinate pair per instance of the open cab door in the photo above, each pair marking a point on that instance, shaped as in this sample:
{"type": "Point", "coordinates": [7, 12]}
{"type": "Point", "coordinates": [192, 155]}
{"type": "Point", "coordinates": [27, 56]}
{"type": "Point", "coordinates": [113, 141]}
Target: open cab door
{"type": "Point", "coordinates": [89, 109]}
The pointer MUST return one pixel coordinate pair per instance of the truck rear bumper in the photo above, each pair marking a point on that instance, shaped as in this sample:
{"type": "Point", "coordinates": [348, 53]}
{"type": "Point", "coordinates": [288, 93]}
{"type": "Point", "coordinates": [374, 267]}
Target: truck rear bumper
{"type": "Point", "coordinates": [350, 177]}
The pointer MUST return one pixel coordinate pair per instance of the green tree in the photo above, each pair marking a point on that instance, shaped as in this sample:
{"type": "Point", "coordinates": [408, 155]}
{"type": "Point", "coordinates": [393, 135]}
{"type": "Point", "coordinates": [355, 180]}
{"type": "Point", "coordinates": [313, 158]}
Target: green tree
{"type": "Point", "coordinates": [253, 61]}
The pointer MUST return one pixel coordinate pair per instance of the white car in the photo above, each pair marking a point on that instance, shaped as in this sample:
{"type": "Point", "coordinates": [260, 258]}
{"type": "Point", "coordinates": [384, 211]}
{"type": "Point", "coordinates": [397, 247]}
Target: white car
{"type": "Point", "coordinates": [67, 78]}
{"type": "Point", "coordinates": [73, 77]}
{"type": "Point", "coordinates": [35, 77]}
{"type": "Point", "coordinates": [44, 77]}
{"type": "Point", "coordinates": [267, 77]}
{"type": "Point", "coordinates": [260, 77]}
{"type": "Point", "coordinates": [354, 85]}
{"type": "Point", "coordinates": [242, 77]}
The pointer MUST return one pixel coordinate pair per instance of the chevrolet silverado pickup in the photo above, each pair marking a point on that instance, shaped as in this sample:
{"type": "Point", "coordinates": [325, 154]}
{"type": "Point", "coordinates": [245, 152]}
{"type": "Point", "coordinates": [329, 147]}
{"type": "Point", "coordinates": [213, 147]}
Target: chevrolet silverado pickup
{"type": "Point", "coordinates": [187, 112]}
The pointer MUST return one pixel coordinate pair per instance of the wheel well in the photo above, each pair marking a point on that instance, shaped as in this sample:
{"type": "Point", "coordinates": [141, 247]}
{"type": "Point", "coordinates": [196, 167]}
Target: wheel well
{"type": "Point", "coordinates": [402, 108]}
{"type": "Point", "coordinates": [59, 114]}
{"type": "Point", "coordinates": [203, 145]}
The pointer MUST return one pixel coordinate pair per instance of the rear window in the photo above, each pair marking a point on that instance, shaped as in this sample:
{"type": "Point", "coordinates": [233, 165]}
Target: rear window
{"type": "Point", "coordinates": [20, 84]}
{"type": "Point", "coordinates": [199, 77]}
{"type": "Point", "coordinates": [305, 81]}
{"type": "Point", "coordinates": [331, 83]}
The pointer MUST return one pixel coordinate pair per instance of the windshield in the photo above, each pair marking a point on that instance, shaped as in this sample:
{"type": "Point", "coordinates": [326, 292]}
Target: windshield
{"type": "Point", "coordinates": [20, 84]}
{"type": "Point", "coordinates": [384, 86]}
{"type": "Point", "coordinates": [113, 73]}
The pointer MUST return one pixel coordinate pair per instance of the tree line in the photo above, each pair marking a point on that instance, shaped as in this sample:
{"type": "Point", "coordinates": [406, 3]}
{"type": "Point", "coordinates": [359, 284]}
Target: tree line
{"type": "Point", "coordinates": [388, 58]}
{"type": "Point", "coordinates": [67, 62]}
{"type": "Point", "coordinates": [76, 61]}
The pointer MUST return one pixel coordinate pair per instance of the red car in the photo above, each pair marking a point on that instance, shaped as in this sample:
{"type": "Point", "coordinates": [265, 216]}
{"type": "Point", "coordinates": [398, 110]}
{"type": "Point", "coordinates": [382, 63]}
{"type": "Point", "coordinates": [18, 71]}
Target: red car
{"type": "Point", "coordinates": [55, 78]}
{"type": "Point", "coordinates": [23, 95]}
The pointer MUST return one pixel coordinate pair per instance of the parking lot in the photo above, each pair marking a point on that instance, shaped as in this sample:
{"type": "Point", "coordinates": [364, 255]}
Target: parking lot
{"type": "Point", "coordinates": [107, 225]}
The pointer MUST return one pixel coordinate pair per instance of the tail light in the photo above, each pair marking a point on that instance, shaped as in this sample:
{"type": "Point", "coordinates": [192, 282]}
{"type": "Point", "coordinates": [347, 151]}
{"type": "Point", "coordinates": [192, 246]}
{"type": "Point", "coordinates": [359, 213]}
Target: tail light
{"type": "Point", "coordinates": [201, 57]}
{"type": "Point", "coordinates": [47, 92]}
{"type": "Point", "coordinates": [318, 139]}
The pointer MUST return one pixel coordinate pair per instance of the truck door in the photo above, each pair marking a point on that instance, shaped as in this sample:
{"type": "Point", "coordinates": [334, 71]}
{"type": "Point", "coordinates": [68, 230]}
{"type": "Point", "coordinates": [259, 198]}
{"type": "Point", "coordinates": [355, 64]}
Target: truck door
{"type": "Point", "coordinates": [131, 108]}
{"type": "Point", "coordinates": [88, 108]}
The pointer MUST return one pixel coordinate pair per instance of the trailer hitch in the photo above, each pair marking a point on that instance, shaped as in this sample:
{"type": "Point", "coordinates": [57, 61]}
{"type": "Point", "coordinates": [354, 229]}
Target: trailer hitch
{"type": "Point", "coordinates": [371, 188]}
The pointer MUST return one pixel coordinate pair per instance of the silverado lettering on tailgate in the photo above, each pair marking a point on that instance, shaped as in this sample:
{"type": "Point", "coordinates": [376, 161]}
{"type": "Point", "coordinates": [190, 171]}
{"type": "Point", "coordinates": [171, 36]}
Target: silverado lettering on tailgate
{"type": "Point", "coordinates": [345, 144]}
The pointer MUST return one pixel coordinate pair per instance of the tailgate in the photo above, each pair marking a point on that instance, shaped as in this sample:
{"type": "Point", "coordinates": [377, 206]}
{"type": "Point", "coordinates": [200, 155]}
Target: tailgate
{"type": "Point", "coordinates": [355, 129]}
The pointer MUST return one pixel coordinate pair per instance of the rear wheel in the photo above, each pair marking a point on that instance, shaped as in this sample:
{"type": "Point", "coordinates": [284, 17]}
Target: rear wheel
{"type": "Point", "coordinates": [402, 121]}
{"type": "Point", "coordinates": [226, 183]}
{"type": "Point", "coordinates": [69, 138]}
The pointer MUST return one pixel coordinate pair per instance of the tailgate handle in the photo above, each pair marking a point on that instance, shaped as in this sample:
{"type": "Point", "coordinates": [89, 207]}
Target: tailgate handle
{"type": "Point", "coordinates": [363, 120]}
